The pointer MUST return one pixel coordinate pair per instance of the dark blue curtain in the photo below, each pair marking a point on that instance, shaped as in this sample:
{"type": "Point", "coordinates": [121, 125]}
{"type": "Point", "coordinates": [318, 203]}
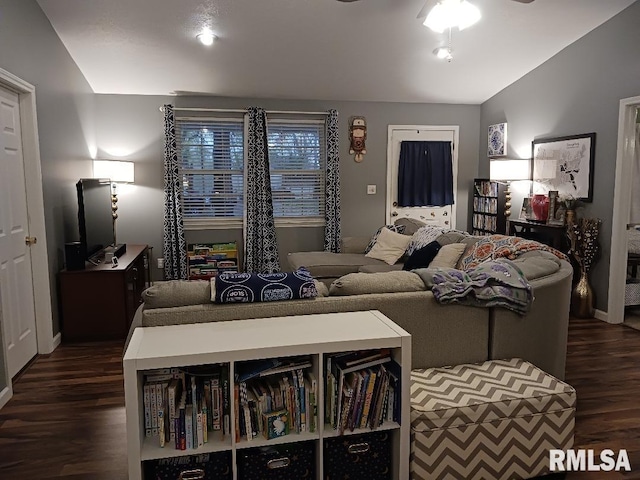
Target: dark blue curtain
{"type": "Point", "coordinates": [425, 174]}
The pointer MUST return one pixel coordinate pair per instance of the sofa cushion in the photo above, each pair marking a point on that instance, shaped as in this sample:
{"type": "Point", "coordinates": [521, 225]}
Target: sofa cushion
{"type": "Point", "coordinates": [537, 264]}
{"type": "Point", "coordinates": [328, 264]}
{"type": "Point", "coordinates": [448, 256]}
{"type": "Point", "coordinates": [262, 287]}
{"type": "Point", "coordinates": [384, 282]}
{"type": "Point", "coordinates": [177, 293]}
{"type": "Point", "coordinates": [393, 228]}
{"type": "Point", "coordinates": [389, 247]}
{"type": "Point", "coordinates": [411, 225]}
{"type": "Point", "coordinates": [379, 268]}
{"type": "Point", "coordinates": [422, 257]}
{"type": "Point", "coordinates": [455, 236]}
{"type": "Point", "coordinates": [354, 244]}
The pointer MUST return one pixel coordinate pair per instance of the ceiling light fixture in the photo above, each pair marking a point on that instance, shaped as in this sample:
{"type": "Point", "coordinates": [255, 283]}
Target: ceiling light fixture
{"type": "Point", "coordinates": [206, 37]}
{"type": "Point", "coordinates": [452, 13]}
{"type": "Point", "coordinates": [443, 53]}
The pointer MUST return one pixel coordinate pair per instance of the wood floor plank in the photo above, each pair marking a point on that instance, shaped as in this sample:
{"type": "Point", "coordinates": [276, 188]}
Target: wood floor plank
{"type": "Point", "coordinates": [66, 419]}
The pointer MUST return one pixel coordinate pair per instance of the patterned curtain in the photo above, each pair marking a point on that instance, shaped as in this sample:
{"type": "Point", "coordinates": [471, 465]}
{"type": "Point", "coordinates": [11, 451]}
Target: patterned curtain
{"type": "Point", "coordinates": [174, 247]}
{"type": "Point", "coordinates": [332, 205]}
{"type": "Point", "coordinates": [260, 243]}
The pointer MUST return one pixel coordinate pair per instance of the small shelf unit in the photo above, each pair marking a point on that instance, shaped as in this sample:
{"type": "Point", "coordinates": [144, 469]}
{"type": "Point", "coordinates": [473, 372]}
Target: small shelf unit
{"type": "Point", "coordinates": [489, 207]}
{"type": "Point", "coordinates": [237, 341]}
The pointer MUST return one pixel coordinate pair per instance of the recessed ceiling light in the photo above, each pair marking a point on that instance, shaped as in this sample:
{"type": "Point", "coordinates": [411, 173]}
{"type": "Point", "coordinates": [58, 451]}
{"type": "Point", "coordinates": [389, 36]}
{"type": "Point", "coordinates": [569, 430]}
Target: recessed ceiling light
{"type": "Point", "coordinates": [206, 37]}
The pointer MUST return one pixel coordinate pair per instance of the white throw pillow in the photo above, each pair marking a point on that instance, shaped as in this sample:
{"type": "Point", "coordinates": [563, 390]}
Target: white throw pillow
{"type": "Point", "coordinates": [389, 246]}
{"type": "Point", "coordinates": [448, 255]}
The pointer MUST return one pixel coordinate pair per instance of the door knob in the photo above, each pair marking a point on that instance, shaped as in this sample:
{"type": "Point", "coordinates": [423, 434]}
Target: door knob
{"type": "Point", "coordinates": [30, 240]}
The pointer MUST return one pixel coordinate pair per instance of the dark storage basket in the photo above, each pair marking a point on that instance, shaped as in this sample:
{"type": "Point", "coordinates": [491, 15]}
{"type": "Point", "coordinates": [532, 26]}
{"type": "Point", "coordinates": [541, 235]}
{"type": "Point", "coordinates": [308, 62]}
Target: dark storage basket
{"type": "Point", "coordinates": [366, 456]}
{"type": "Point", "coordinates": [206, 466]}
{"type": "Point", "coordinates": [291, 461]}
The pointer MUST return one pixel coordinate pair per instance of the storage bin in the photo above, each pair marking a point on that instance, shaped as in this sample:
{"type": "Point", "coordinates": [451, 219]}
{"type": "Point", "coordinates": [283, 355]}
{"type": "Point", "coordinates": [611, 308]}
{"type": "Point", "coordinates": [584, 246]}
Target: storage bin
{"type": "Point", "coordinates": [495, 420]}
{"type": "Point", "coordinates": [291, 461]}
{"type": "Point", "coordinates": [205, 466]}
{"type": "Point", "coordinates": [366, 456]}
{"type": "Point", "coordinates": [632, 292]}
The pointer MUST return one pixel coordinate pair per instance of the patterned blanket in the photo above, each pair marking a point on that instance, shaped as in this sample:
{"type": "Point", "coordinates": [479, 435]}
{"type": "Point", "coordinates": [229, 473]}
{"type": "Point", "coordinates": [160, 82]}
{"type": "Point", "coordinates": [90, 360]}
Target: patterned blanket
{"type": "Point", "coordinates": [502, 246]}
{"type": "Point", "coordinates": [492, 283]}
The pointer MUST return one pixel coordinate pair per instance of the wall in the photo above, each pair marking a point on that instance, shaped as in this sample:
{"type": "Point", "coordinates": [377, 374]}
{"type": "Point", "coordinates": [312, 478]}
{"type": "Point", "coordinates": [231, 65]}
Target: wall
{"type": "Point", "coordinates": [31, 50]}
{"type": "Point", "coordinates": [576, 91]}
{"type": "Point", "coordinates": [136, 119]}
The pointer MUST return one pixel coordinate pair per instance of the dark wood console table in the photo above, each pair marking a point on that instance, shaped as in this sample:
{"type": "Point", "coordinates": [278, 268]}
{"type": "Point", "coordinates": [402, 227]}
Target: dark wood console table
{"type": "Point", "coordinates": [99, 302]}
{"type": "Point", "coordinates": [553, 235]}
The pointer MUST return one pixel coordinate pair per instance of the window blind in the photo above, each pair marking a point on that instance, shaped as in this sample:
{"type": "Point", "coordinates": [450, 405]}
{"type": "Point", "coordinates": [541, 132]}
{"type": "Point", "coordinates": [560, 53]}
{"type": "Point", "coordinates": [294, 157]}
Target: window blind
{"type": "Point", "coordinates": [297, 160]}
{"type": "Point", "coordinates": [211, 158]}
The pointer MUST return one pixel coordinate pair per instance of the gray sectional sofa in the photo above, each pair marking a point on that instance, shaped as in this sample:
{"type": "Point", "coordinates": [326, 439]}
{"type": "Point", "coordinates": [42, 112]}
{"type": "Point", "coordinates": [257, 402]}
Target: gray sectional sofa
{"type": "Point", "coordinates": [441, 334]}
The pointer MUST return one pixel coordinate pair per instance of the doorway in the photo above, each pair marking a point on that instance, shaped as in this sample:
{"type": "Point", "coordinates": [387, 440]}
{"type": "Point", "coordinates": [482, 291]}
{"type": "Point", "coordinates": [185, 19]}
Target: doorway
{"type": "Point", "coordinates": [25, 296]}
{"type": "Point", "coordinates": [444, 216]}
{"type": "Point", "coordinates": [624, 184]}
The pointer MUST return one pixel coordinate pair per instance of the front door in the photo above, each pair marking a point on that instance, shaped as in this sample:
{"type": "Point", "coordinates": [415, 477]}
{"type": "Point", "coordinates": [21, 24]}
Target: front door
{"type": "Point", "coordinates": [441, 216]}
{"type": "Point", "coordinates": [16, 281]}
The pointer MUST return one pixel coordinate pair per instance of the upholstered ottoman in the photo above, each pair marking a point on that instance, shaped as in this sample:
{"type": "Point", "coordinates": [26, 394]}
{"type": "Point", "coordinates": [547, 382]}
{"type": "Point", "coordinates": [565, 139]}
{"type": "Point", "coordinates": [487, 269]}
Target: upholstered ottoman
{"type": "Point", "coordinates": [495, 420]}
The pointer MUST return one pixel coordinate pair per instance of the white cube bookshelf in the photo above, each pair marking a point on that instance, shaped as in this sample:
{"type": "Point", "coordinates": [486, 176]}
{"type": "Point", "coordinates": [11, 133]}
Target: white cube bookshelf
{"type": "Point", "coordinates": [241, 340]}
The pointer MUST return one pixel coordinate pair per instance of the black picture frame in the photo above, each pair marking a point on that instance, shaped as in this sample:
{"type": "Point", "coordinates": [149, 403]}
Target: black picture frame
{"type": "Point", "coordinates": [567, 176]}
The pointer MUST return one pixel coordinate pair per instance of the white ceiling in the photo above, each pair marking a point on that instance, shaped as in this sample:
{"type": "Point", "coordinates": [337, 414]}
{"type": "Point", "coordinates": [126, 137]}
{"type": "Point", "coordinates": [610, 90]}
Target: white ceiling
{"type": "Point", "coordinates": [373, 50]}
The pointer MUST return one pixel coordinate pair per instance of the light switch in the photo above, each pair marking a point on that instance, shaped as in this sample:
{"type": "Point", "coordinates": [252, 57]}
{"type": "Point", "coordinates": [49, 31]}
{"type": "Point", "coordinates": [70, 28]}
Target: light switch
{"type": "Point", "coordinates": [371, 189]}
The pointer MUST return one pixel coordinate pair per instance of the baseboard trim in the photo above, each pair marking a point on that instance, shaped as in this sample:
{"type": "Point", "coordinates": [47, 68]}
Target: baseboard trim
{"type": "Point", "coordinates": [5, 396]}
{"type": "Point", "coordinates": [600, 315]}
{"type": "Point", "coordinates": [56, 340]}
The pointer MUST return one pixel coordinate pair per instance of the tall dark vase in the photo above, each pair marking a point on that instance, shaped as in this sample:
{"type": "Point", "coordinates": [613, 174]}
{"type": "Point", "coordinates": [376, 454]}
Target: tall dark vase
{"type": "Point", "coordinates": [583, 298]}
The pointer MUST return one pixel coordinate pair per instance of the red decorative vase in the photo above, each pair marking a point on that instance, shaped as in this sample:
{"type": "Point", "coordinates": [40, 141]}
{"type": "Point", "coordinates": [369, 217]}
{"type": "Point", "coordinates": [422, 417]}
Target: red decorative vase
{"type": "Point", "coordinates": [540, 207]}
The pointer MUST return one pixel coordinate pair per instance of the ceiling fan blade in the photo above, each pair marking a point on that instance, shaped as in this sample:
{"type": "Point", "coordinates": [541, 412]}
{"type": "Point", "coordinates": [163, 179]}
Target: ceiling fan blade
{"type": "Point", "coordinates": [428, 5]}
{"type": "Point", "coordinates": [523, 1]}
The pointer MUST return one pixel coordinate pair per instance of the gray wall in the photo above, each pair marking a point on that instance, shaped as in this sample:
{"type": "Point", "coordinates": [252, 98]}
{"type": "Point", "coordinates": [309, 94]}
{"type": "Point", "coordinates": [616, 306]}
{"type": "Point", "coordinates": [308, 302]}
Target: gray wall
{"type": "Point", "coordinates": [136, 123]}
{"type": "Point", "coordinates": [31, 50]}
{"type": "Point", "coordinates": [576, 91]}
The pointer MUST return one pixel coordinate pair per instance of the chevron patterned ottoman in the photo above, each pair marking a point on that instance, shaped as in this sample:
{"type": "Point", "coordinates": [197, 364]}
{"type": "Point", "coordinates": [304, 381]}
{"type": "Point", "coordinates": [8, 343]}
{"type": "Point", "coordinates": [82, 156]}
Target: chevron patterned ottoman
{"type": "Point", "coordinates": [495, 420]}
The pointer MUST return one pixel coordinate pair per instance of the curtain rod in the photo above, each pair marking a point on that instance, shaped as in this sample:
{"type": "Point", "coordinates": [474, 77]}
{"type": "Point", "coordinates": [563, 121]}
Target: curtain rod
{"type": "Point", "coordinates": [237, 110]}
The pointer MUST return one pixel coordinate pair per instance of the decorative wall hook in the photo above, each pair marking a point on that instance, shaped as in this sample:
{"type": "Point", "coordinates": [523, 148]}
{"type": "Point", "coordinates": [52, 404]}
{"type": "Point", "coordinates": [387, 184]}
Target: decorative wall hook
{"type": "Point", "coordinates": [357, 137]}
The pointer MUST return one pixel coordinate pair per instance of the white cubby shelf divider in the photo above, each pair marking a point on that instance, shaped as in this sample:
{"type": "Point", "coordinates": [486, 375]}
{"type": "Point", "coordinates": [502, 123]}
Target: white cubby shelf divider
{"type": "Point", "coordinates": [240, 373]}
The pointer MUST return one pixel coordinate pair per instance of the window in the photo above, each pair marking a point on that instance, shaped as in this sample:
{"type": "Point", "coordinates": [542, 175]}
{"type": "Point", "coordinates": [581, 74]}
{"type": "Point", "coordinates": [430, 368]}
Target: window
{"type": "Point", "coordinates": [211, 157]}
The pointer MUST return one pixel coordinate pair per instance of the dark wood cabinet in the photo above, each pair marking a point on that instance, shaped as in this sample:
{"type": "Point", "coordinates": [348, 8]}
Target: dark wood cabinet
{"type": "Point", "coordinates": [99, 303]}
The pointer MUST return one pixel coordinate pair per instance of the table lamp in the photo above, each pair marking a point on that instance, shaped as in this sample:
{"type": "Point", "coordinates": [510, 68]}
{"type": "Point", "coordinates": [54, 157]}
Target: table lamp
{"type": "Point", "coordinates": [509, 171]}
{"type": "Point", "coordinates": [118, 172]}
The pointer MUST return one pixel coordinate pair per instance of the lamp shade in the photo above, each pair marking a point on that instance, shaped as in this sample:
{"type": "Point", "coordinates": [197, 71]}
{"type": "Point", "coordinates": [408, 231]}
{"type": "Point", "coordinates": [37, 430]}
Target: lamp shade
{"type": "Point", "coordinates": [509, 170]}
{"type": "Point", "coordinates": [115, 170]}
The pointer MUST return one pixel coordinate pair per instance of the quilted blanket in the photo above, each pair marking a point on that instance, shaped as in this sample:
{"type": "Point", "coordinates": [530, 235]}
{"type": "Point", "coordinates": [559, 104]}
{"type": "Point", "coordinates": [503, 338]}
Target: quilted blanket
{"type": "Point", "coordinates": [502, 246]}
{"type": "Point", "coordinates": [492, 283]}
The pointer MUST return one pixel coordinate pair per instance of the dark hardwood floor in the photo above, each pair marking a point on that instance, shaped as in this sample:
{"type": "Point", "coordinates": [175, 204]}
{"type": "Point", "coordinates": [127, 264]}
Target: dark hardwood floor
{"type": "Point", "coordinates": [66, 418]}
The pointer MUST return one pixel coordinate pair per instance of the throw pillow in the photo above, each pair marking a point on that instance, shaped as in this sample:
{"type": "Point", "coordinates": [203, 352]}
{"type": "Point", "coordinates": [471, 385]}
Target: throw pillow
{"type": "Point", "coordinates": [393, 228]}
{"type": "Point", "coordinates": [422, 257]}
{"type": "Point", "coordinates": [423, 237]}
{"type": "Point", "coordinates": [389, 246]}
{"type": "Point", "coordinates": [382, 282]}
{"type": "Point", "coordinates": [262, 287]}
{"type": "Point", "coordinates": [176, 293]}
{"type": "Point", "coordinates": [448, 256]}
{"type": "Point", "coordinates": [411, 225]}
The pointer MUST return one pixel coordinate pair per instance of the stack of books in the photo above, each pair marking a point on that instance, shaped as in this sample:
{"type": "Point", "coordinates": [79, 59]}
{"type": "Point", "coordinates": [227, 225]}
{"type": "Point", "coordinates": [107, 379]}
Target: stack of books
{"type": "Point", "coordinates": [187, 408]}
{"type": "Point", "coordinates": [275, 397]}
{"type": "Point", "coordinates": [362, 390]}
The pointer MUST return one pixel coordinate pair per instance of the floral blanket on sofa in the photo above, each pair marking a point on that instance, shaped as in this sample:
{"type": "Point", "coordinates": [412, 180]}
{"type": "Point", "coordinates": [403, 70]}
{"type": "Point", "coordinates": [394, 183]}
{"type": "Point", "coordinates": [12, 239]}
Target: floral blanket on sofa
{"type": "Point", "coordinates": [502, 246]}
{"type": "Point", "coordinates": [492, 283]}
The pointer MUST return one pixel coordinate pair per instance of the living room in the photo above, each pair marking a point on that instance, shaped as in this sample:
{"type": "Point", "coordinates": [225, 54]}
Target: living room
{"type": "Point", "coordinates": [577, 90]}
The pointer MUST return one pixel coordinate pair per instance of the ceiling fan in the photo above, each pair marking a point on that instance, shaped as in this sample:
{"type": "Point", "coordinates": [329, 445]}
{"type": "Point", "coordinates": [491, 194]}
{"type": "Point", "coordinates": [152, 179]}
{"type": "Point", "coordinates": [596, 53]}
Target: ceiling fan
{"type": "Point", "coordinates": [429, 4]}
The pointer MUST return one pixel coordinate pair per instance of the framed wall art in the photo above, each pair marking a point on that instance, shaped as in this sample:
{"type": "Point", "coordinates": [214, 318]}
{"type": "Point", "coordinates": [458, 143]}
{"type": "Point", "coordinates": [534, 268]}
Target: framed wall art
{"type": "Point", "coordinates": [564, 164]}
{"type": "Point", "coordinates": [497, 140]}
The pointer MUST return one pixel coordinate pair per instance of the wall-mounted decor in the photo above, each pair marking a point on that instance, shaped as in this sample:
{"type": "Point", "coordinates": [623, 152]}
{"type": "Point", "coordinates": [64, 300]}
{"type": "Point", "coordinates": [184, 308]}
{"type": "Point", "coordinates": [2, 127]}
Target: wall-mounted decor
{"type": "Point", "coordinates": [357, 137]}
{"type": "Point", "coordinates": [497, 140]}
{"type": "Point", "coordinates": [564, 164]}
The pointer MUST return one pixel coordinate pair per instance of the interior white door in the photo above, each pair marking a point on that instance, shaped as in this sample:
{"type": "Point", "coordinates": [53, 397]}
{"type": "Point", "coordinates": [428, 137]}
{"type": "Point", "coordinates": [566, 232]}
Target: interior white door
{"type": "Point", "coordinates": [441, 216]}
{"type": "Point", "coordinates": [16, 282]}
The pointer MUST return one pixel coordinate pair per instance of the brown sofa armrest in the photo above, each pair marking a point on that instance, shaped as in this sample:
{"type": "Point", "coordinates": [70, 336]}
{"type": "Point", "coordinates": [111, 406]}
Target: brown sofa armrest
{"type": "Point", "coordinates": [354, 244]}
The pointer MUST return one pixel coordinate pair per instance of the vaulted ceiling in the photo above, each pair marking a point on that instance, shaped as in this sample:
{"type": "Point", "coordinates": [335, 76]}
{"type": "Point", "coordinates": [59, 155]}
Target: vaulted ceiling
{"type": "Point", "coordinates": [373, 50]}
